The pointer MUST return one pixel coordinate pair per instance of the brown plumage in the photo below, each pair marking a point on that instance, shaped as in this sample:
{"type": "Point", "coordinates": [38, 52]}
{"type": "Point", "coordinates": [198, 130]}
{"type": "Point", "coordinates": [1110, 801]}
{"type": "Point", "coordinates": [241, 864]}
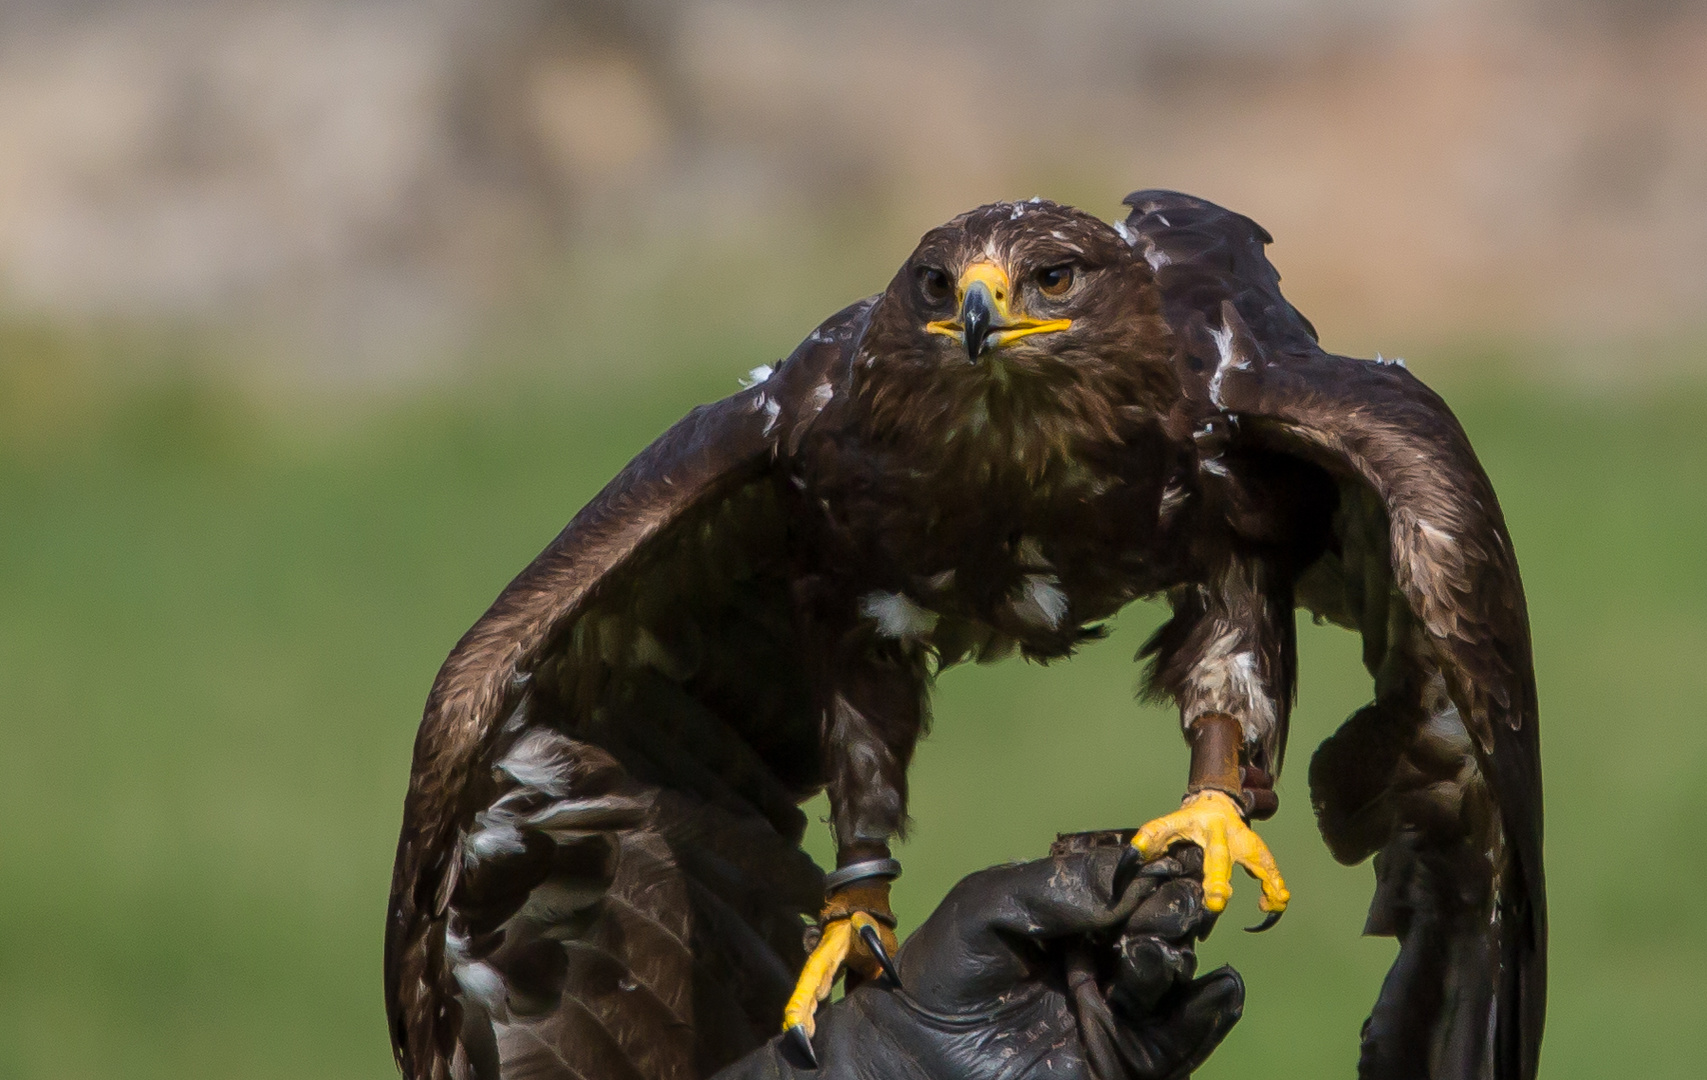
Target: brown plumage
{"type": "Point", "coordinates": [599, 872]}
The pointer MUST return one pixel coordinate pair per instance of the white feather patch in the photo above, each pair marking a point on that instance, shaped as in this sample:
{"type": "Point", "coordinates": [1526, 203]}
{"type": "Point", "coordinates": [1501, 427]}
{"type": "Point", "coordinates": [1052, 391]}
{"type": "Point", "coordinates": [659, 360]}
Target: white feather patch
{"type": "Point", "coordinates": [1227, 678]}
{"type": "Point", "coordinates": [596, 814]}
{"type": "Point", "coordinates": [758, 375]}
{"type": "Point", "coordinates": [1173, 497]}
{"type": "Point", "coordinates": [456, 945]}
{"type": "Point", "coordinates": [483, 984]}
{"type": "Point", "coordinates": [1434, 535]}
{"type": "Point", "coordinates": [897, 615]}
{"type": "Point", "coordinates": [538, 760]}
{"type": "Point", "coordinates": [1039, 601]}
{"type": "Point", "coordinates": [500, 838]}
{"type": "Point", "coordinates": [1229, 359]}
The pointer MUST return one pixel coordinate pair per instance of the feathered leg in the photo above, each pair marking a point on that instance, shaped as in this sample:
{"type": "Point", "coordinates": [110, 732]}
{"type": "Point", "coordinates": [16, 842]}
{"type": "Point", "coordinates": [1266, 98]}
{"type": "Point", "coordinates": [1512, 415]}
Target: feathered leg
{"type": "Point", "coordinates": [873, 714]}
{"type": "Point", "coordinates": [1227, 658]}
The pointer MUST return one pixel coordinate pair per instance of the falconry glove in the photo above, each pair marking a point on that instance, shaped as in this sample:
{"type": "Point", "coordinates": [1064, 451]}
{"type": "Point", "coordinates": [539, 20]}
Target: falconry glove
{"type": "Point", "coordinates": [1033, 970]}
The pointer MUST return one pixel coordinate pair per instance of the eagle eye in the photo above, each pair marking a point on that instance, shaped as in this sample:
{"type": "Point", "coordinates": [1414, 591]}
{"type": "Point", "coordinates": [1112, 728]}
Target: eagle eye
{"type": "Point", "coordinates": [1055, 280]}
{"type": "Point", "coordinates": [935, 285]}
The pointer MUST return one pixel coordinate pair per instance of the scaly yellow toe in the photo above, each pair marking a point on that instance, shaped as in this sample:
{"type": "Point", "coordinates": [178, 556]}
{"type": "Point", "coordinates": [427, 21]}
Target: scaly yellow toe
{"type": "Point", "coordinates": [1212, 821]}
{"type": "Point", "coordinates": [818, 976]}
{"type": "Point", "coordinates": [846, 914]}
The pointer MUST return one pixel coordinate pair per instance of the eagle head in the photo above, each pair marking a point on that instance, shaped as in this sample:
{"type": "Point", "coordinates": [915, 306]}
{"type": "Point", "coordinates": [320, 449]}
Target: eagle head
{"type": "Point", "coordinates": [1015, 313]}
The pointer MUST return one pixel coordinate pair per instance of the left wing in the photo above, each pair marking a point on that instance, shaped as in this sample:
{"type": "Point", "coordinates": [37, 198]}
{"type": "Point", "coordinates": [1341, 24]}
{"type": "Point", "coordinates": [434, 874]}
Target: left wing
{"type": "Point", "coordinates": [599, 872]}
{"type": "Point", "coordinates": [1440, 776]}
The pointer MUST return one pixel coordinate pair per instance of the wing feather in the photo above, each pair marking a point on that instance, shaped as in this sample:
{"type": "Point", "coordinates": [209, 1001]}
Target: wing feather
{"type": "Point", "coordinates": [1424, 567]}
{"type": "Point", "coordinates": [612, 758]}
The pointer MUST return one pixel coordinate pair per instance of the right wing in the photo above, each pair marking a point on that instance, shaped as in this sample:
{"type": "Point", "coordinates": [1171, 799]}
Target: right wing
{"type": "Point", "coordinates": [1440, 777]}
{"type": "Point", "coordinates": [599, 872]}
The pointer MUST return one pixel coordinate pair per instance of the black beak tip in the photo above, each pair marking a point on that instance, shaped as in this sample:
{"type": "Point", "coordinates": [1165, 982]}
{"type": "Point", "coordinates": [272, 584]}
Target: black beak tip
{"type": "Point", "coordinates": [976, 310]}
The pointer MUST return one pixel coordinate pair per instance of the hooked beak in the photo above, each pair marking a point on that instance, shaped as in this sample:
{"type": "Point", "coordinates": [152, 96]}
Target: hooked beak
{"type": "Point", "coordinates": [977, 308]}
{"type": "Point", "coordinates": [986, 321]}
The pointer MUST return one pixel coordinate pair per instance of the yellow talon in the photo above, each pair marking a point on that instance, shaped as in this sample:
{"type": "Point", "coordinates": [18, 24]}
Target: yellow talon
{"type": "Point", "coordinates": [818, 976]}
{"type": "Point", "coordinates": [839, 947]}
{"type": "Point", "coordinates": [1212, 821]}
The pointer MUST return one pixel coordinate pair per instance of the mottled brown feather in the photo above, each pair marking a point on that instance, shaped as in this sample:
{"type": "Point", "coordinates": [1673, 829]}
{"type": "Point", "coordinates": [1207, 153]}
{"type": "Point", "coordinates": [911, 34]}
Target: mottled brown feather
{"type": "Point", "coordinates": [575, 645]}
{"type": "Point", "coordinates": [599, 872]}
{"type": "Point", "coordinates": [1417, 519]}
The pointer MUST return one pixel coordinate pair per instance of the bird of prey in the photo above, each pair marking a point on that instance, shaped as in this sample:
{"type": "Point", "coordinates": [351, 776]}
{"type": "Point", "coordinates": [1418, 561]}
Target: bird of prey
{"type": "Point", "coordinates": [1042, 418]}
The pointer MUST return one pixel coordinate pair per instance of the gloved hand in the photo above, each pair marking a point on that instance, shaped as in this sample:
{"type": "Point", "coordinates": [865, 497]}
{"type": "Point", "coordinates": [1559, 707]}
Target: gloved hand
{"type": "Point", "coordinates": [1031, 971]}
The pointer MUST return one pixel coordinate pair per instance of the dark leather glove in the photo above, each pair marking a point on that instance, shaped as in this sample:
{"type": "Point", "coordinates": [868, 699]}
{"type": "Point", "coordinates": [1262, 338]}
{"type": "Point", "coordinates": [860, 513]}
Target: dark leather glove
{"type": "Point", "coordinates": [1032, 971]}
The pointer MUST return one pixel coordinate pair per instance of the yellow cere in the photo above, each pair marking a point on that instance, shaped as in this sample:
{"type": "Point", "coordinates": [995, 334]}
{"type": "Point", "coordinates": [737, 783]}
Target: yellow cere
{"type": "Point", "coordinates": [1006, 327]}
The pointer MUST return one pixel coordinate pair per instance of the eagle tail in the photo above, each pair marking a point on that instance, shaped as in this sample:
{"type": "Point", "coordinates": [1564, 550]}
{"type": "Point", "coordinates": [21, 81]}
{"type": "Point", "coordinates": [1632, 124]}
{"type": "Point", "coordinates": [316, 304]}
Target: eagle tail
{"type": "Point", "coordinates": [1457, 883]}
{"type": "Point", "coordinates": [1457, 1000]}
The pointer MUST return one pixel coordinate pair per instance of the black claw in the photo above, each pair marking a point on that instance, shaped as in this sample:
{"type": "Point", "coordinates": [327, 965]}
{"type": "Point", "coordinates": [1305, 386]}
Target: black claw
{"type": "Point", "coordinates": [1124, 871]}
{"type": "Point", "coordinates": [796, 1039]}
{"type": "Point", "coordinates": [1267, 923]}
{"type": "Point", "coordinates": [874, 942]}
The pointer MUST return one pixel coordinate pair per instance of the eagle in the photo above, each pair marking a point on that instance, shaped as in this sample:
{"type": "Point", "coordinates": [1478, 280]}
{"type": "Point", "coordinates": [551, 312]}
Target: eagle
{"type": "Point", "coordinates": [1041, 419]}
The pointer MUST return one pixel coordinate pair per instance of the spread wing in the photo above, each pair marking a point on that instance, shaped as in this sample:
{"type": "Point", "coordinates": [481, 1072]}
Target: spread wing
{"type": "Point", "coordinates": [599, 871]}
{"type": "Point", "coordinates": [1439, 777]}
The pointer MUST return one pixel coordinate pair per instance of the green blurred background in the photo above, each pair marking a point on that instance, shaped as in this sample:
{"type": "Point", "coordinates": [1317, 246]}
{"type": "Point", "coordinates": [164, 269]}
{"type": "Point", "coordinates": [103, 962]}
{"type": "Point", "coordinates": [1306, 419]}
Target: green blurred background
{"type": "Point", "coordinates": [267, 450]}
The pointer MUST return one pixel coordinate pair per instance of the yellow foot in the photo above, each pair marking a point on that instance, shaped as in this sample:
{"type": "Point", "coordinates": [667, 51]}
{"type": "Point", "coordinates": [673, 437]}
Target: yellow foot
{"type": "Point", "coordinates": [853, 938]}
{"type": "Point", "coordinates": [1212, 821]}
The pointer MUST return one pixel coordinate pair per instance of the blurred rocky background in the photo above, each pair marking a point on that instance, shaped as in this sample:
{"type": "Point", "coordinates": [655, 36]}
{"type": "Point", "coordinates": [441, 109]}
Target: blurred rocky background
{"type": "Point", "coordinates": [359, 189]}
{"type": "Point", "coordinates": [319, 318]}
